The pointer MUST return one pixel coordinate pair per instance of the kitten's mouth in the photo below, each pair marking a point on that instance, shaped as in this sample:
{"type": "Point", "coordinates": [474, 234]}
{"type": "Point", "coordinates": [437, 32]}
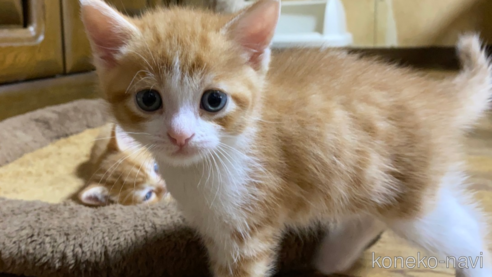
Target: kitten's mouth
{"type": "Point", "coordinates": [184, 151]}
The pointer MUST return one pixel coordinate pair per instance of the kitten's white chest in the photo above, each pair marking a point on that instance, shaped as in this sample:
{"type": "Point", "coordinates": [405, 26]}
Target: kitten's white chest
{"type": "Point", "coordinates": [211, 195]}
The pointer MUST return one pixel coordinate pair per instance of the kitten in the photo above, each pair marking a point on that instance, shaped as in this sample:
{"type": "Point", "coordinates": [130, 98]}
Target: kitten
{"type": "Point", "coordinates": [250, 142]}
{"type": "Point", "coordinates": [122, 172]}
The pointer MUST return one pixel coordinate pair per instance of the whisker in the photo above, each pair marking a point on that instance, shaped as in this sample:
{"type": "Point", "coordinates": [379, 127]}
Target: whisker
{"type": "Point", "coordinates": [125, 182]}
{"type": "Point", "coordinates": [135, 179]}
{"type": "Point", "coordinates": [242, 154]}
{"type": "Point", "coordinates": [104, 175]}
{"type": "Point", "coordinates": [110, 137]}
{"type": "Point", "coordinates": [121, 174]}
{"type": "Point", "coordinates": [203, 170]}
{"type": "Point", "coordinates": [266, 121]}
{"type": "Point", "coordinates": [223, 153]}
{"type": "Point", "coordinates": [216, 182]}
{"type": "Point", "coordinates": [152, 56]}
{"type": "Point", "coordinates": [120, 161]}
{"type": "Point", "coordinates": [143, 58]}
{"type": "Point", "coordinates": [114, 183]}
{"type": "Point", "coordinates": [142, 79]}
{"type": "Point", "coordinates": [209, 165]}
{"type": "Point", "coordinates": [133, 79]}
{"type": "Point", "coordinates": [126, 178]}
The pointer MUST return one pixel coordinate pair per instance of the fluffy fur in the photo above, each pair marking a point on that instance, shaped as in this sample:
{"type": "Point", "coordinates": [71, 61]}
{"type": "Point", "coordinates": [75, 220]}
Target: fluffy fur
{"type": "Point", "coordinates": [123, 172]}
{"type": "Point", "coordinates": [312, 136]}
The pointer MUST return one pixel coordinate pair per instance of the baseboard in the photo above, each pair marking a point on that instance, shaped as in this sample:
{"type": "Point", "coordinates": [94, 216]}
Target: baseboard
{"type": "Point", "coordinates": [444, 58]}
{"type": "Point", "coordinates": [19, 98]}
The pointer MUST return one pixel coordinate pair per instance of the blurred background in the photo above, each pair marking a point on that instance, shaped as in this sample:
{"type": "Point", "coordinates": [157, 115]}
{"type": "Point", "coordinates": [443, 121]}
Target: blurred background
{"type": "Point", "coordinates": [45, 56]}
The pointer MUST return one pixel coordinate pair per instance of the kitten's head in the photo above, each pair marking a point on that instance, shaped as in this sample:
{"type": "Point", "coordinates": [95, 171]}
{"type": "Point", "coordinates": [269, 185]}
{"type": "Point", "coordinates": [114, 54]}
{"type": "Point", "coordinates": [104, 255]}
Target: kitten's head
{"type": "Point", "coordinates": [124, 173]}
{"type": "Point", "coordinates": [190, 78]}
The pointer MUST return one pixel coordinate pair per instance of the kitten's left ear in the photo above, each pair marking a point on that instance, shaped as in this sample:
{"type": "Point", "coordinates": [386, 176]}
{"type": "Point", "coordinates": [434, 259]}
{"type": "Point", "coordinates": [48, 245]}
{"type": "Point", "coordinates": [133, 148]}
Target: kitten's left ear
{"type": "Point", "coordinates": [95, 195]}
{"type": "Point", "coordinates": [121, 140]}
{"type": "Point", "coordinates": [253, 30]}
{"type": "Point", "coordinates": [108, 30]}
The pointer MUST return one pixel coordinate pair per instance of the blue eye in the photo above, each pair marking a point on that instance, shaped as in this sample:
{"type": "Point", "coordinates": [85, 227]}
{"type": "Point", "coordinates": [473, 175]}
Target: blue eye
{"type": "Point", "coordinates": [148, 195]}
{"type": "Point", "coordinates": [156, 167]}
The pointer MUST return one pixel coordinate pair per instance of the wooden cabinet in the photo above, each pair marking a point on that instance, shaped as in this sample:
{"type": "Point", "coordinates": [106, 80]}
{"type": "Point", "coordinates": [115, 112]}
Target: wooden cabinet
{"type": "Point", "coordinates": [43, 38]}
{"type": "Point", "coordinates": [77, 50]}
{"type": "Point", "coordinates": [416, 23]}
{"type": "Point", "coordinates": [44, 53]}
{"type": "Point", "coordinates": [11, 14]}
{"type": "Point", "coordinates": [419, 23]}
{"type": "Point", "coordinates": [33, 48]}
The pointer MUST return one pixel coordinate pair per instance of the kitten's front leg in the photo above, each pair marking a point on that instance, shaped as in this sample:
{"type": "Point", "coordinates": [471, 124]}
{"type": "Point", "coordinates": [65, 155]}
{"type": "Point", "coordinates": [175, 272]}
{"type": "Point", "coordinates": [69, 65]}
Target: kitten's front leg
{"type": "Point", "coordinates": [344, 244]}
{"type": "Point", "coordinates": [238, 254]}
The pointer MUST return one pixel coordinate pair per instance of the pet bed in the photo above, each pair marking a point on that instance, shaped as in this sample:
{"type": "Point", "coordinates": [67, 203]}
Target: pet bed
{"type": "Point", "coordinates": [66, 239]}
{"type": "Point", "coordinates": [62, 238]}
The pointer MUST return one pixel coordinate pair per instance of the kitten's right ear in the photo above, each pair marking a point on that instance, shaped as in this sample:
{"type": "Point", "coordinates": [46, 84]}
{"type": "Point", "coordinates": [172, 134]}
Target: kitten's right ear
{"type": "Point", "coordinates": [94, 195]}
{"type": "Point", "coordinates": [253, 30]}
{"type": "Point", "coordinates": [108, 30]}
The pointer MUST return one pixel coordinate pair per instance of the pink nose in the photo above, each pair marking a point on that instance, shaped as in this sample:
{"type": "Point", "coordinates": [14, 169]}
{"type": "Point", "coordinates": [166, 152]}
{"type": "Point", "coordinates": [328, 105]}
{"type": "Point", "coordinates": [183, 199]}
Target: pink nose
{"type": "Point", "coordinates": [180, 139]}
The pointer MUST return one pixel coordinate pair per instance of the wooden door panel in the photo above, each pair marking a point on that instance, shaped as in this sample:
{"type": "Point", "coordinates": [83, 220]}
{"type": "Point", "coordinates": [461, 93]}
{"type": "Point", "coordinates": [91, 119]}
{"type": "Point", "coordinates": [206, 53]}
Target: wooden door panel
{"type": "Point", "coordinates": [11, 14]}
{"type": "Point", "coordinates": [35, 50]}
{"type": "Point", "coordinates": [77, 48]}
{"type": "Point", "coordinates": [423, 23]}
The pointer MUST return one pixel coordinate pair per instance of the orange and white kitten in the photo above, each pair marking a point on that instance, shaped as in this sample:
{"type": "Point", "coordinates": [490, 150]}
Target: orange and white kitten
{"type": "Point", "coordinates": [250, 142]}
{"type": "Point", "coordinates": [123, 172]}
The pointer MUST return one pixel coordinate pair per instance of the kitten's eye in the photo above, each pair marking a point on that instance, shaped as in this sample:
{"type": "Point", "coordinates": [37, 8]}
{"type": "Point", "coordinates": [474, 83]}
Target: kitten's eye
{"type": "Point", "coordinates": [213, 100]}
{"type": "Point", "coordinates": [148, 196]}
{"type": "Point", "coordinates": [149, 100]}
{"type": "Point", "coordinates": [156, 168]}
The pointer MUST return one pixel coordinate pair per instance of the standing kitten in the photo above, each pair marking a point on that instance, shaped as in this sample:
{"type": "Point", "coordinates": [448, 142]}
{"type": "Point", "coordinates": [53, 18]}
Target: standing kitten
{"type": "Point", "coordinates": [122, 172]}
{"type": "Point", "coordinates": [322, 136]}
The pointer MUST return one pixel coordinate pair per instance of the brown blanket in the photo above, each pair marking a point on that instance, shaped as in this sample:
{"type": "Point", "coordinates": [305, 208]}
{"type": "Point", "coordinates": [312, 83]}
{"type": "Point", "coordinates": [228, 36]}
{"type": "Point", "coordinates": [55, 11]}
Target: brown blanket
{"type": "Point", "coordinates": [40, 239]}
{"type": "Point", "coordinates": [25, 133]}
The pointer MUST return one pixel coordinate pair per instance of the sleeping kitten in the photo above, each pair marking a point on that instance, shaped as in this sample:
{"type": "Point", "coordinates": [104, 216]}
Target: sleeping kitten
{"type": "Point", "coordinates": [122, 172]}
{"type": "Point", "coordinates": [250, 143]}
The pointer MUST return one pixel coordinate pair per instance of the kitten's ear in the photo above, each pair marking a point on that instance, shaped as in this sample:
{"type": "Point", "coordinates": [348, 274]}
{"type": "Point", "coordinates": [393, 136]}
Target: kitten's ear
{"type": "Point", "coordinates": [253, 30]}
{"type": "Point", "coordinates": [108, 30]}
{"type": "Point", "coordinates": [94, 195]}
{"type": "Point", "coordinates": [120, 140]}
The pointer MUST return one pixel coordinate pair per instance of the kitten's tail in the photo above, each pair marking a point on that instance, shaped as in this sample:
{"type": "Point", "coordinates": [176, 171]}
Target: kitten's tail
{"type": "Point", "coordinates": [474, 83]}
